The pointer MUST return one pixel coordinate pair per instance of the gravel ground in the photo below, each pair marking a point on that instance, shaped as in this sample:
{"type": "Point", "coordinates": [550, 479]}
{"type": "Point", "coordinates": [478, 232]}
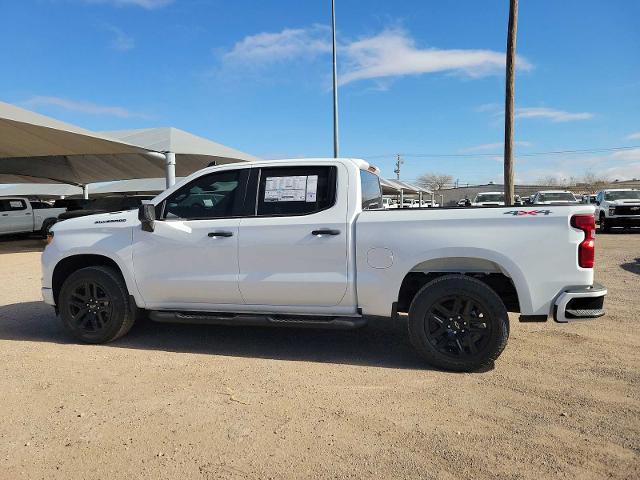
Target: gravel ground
{"type": "Point", "coordinates": [165, 401]}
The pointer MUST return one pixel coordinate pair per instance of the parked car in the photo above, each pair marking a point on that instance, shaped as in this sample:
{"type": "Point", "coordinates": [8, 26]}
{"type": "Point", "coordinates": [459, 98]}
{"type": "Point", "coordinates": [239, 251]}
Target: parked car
{"type": "Point", "coordinates": [554, 197]}
{"type": "Point", "coordinates": [20, 215]}
{"type": "Point", "coordinates": [489, 199]}
{"type": "Point", "coordinates": [618, 208]}
{"type": "Point", "coordinates": [410, 203]}
{"type": "Point", "coordinates": [71, 204]}
{"type": "Point", "coordinates": [291, 243]}
{"type": "Point", "coordinates": [106, 204]}
{"type": "Point", "coordinates": [464, 202]}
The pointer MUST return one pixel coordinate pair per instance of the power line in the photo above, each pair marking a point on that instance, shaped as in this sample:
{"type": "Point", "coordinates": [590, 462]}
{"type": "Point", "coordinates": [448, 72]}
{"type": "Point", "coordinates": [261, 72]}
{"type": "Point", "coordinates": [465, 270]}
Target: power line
{"type": "Point", "coordinates": [533, 154]}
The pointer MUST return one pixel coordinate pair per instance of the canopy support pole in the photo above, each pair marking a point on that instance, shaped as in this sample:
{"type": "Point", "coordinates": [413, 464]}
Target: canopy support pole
{"type": "Point", "coordinates": [420, 198]}
{"type": "Point", "coordinates": [401, 198]}
{"type": "Point", "coordinates": [170, 164]}
{"type": "Point", "coordinates": [85, 192]}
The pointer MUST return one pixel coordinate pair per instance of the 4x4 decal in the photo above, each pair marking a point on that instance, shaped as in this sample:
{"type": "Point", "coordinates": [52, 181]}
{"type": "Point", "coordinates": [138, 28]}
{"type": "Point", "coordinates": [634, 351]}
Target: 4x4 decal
{"type": "Point", "coordinates": [522, 213]}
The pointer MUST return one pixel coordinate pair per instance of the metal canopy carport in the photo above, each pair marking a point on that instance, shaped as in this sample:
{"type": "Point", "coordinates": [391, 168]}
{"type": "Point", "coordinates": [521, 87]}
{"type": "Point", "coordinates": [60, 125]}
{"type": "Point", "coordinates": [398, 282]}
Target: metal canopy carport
{"type": "Point", "coordinates": [404, 187]}
{"type": "Point", "coordinates": [34, 146]}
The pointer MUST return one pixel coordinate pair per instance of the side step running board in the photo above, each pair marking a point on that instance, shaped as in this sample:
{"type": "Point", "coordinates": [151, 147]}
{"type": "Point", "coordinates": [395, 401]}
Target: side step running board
{"type": "Point", "coordinates": [243, 319]}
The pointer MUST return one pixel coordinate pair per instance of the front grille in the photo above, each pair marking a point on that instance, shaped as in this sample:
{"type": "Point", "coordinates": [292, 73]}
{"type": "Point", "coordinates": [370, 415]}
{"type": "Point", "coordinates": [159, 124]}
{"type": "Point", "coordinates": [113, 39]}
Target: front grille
{"type": "Point", "coordinates": [627, 210]}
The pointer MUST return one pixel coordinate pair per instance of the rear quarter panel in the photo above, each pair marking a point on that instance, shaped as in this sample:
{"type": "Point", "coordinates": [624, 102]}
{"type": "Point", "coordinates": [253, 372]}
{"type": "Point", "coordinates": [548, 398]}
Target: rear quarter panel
{"type": "Point", "coordinates": [538, 251]}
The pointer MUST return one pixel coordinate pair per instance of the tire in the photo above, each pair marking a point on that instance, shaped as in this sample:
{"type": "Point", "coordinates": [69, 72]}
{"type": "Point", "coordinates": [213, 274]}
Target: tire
{"type": "Point", "coordinates": [95, 306]}
{"type": "Point", "coordinates": [46, 226]}
{"type": "Point", "coordinates": [458, 323]}
{"type": "Point", "coordinates": [605, 226]}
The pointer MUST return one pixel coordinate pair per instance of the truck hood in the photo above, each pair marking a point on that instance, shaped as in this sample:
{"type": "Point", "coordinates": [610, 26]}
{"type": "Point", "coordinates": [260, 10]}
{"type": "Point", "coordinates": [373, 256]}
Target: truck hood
{"type": "Point", "coordinates": [101, 221]}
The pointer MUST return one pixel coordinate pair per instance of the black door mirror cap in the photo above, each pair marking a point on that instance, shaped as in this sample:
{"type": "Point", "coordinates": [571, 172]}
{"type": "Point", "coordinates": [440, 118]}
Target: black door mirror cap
{"type": "Point", "coordinates": [147, 216]}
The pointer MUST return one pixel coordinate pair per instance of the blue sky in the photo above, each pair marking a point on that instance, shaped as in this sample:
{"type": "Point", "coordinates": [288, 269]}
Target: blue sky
{"type": "Point", "coordinates": [418, 77]}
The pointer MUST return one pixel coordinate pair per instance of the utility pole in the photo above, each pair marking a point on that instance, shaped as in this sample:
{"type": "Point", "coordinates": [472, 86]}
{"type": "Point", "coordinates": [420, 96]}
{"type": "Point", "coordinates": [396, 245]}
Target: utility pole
{"type": "Point", "coordinates": [336, 149]}
{"type": "Point", "coordinates": [509, 103]}
{"type": "Point", "coordinates": [399, 162]}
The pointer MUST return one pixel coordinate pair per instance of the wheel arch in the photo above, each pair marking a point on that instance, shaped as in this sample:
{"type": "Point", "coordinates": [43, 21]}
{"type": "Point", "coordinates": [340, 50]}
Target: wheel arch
{"type": "Point", "coordinates": [506, 282]}
{"type": "Point", "coordinates": [67, 265]}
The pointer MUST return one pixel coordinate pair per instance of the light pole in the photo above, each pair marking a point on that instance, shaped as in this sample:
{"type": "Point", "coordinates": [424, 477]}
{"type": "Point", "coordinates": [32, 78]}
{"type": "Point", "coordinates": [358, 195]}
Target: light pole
{"type": "Point", "coordinates": [336, 149]}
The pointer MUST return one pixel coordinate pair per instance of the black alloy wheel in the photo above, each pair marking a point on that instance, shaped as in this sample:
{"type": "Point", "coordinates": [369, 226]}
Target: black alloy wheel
{"type": "Point", "coordinates": [95, 306]}
{"type": "Point", "coordinates": [456, 326]}
{"type": "Point", "coordinates": [458, 323]}
{"type": "Point", "coordinates": [90, 307]}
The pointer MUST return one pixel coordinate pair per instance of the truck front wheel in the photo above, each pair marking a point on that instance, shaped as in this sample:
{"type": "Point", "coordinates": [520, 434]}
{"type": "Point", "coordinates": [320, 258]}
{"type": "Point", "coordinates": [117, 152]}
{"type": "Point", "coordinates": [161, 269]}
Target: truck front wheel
{"type": "Point", "coordinates": [604, 223]}
{"type": "Point", "coordinates": [95, 306]}
{"type": "Point", "coordinates": [458, 323]}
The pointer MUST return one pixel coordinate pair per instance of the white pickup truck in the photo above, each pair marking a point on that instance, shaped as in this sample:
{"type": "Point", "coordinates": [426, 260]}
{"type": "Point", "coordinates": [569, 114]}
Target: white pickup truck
{"type": "Point", "coordinates": [618, 208]}
{"type": "Point", "coordinates": [298, 243]}
{"type": "Point", "coordinates": [19, 215]}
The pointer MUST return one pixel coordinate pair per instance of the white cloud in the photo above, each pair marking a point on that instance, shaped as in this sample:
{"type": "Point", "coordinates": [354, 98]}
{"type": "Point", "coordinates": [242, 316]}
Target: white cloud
{"type": "Point", "coordinates": [390, 53]}
{"type": "Point", "coordinates": [623, 165]}
{"type": "Point", "coordinates": [121, 41]}
{"type": "Point", "coordinates": [290, 43]}
{"type": "Point", "coordinates": [148, 4]}
{"type": "Point", "coordinates": [82, 107]}
{"type": "Point", "coordinates": [551, 114]}
{"type": "Point", "coordinates": [627, 155]}
{"type": "Point", "coordinates": [394, 53]}
{"type": "Point", "coordinates": [634, 136]}
{"type": "Point", "coordinates": [626, 172]}
{"type": "Point", "coordinates": [493, 146]}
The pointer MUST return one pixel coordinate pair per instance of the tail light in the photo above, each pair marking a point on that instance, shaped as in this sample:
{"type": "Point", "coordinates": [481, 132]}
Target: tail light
{"type": "Point", "coordinates": [587, 248]}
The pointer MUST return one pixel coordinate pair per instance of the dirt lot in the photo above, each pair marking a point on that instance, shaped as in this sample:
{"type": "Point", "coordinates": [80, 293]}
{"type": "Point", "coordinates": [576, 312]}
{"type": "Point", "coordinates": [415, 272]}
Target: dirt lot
{"type": "Point", "coordinates": [211, 402]}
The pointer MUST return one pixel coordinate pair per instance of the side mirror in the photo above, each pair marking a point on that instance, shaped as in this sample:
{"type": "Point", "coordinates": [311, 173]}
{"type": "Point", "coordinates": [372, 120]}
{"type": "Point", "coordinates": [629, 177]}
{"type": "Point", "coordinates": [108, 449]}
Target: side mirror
{"type": "Point", "coordinates": [598, 202]}
{"type": "Point", "coordinates": [147, 216]}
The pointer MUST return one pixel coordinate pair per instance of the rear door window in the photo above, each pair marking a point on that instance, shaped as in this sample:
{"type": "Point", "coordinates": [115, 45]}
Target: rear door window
{"type": "Point", "coordinates": [296, 190]}
{"type": "Point", "coordinates": [14, 204]}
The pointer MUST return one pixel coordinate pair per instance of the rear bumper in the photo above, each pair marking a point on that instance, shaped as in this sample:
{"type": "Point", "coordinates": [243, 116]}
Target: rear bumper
{"type": "Point", "coordinates": [580, 303]}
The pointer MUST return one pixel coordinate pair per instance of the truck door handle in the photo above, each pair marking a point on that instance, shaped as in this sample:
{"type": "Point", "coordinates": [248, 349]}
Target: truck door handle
{"type": "Point", "coordinates": [27, 213]}
{"type": "Point", "coordinates": [325, 231]}
{"type": "Point", "coordinates": [220, 234]}
{"type": "Point", "coordinates": [5, 214]}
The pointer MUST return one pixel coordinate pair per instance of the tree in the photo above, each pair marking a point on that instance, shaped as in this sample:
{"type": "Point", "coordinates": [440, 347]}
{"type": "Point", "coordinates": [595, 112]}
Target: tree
{"type": "Point", "coordinates": [549, 181]}
{"type": "Point", "coordinates": [434, 181]}
{"type": "Point", "coordinates": [593, 182]}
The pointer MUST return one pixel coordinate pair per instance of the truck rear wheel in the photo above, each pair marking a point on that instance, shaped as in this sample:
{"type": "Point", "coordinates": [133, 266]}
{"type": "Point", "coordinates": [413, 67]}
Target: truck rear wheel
{"type": "Point", "coordinates": [458, 323]}
{"type": "Point", "coordinates": [95, 306]}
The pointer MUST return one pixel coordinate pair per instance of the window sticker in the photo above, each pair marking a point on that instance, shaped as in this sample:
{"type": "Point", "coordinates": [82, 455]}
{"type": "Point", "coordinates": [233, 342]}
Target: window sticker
{"type": "Point", "coordinates": [15, 203]}
{"type": "Point", "coordinates": [207, 202]}
{"type": "Point", "coordinates": [290, 189]}
{"type": "Point", "coordinates": [312, 188]}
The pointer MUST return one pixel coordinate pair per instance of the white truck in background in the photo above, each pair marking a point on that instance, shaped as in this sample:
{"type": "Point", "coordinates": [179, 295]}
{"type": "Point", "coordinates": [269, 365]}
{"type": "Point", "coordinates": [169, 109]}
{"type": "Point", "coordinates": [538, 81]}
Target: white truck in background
{"type": "Point", "coordinates": [618, 208]}
{"type": "Point", "coordinates": [554, 197]}
{"type": "Point", "coordinates": [305, 243]}
{"type": "Point", "coordinates": [18, 215]}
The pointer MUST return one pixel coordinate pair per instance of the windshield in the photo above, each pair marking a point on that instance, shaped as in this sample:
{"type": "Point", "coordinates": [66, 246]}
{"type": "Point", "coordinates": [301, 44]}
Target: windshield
{"type": "Point", "coordinates": [623, 195]}
{"type": "Point", "coordinates": [557, 197]}
{"type": "Point", "coordinates": [490, 197]}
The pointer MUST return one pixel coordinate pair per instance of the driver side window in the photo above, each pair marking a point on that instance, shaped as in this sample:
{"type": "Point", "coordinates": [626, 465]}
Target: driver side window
{"type": "Point", "coordinates": [217, 195]}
